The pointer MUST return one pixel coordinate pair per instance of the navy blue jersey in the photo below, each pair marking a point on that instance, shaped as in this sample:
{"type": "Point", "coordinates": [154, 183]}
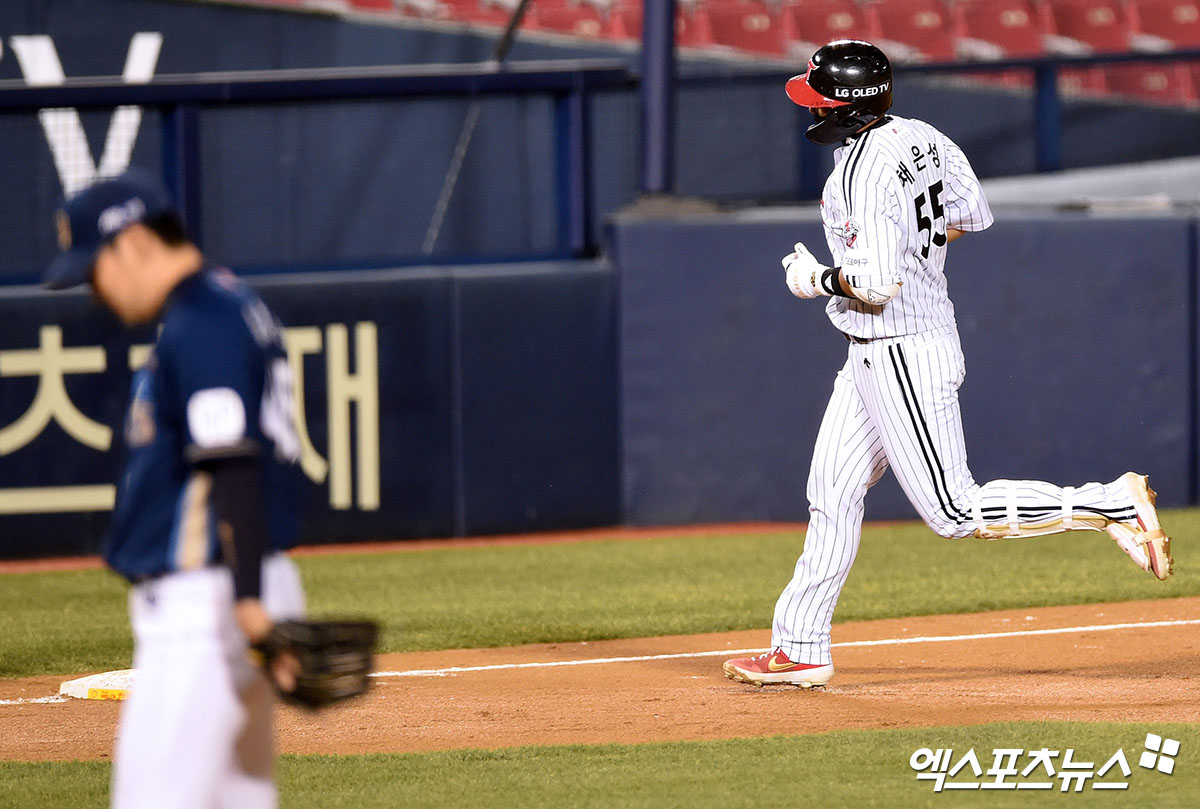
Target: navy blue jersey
{"type": "Point", "coordinates": [216, 385]}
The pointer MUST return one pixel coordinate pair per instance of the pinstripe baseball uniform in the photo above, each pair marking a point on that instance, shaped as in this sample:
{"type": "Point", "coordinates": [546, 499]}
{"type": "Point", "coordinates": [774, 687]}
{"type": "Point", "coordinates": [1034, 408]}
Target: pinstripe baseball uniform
{"type": "Point", "coordinates": [895, 191]}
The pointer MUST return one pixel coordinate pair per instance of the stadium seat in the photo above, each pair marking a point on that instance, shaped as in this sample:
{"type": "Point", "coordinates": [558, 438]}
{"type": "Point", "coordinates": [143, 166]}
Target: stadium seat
{"type": "Point", "coordinates": [486, 12]}
{"type": "Point", "coordinates": [1175, 22]}
{"type": "Point", "coordinates": [747, 25]}
{"type": "Point", "coordinates": [691, 31]}
{"type": "Point", "coordinates": [374, 5]}
{"type": "Point", "coordinates": [626, 19]}
{"type": "Point", "coordinates": [1086, 81]}
{"type": "Point", "coordinates": [428, 9]}
{"type": "Point", "coordinates": [567, 18]}
{"type": "Point", "coordinates": [1161, 84]}
{"type": "Point", "coordinates": [809, 24]}
{"type": "Point", "coordinates": [914, 30]}
{"type": "Point", "coordinates": [603, 6]}
{"type": "Point", "coordinates": [1107, 26]}
{"type": "Point", "coordinates": [998, 29]}
{"type": "Point", "coordinates": [1100, 25]}
{"type": "Point", "coordinates": [1085, 26]}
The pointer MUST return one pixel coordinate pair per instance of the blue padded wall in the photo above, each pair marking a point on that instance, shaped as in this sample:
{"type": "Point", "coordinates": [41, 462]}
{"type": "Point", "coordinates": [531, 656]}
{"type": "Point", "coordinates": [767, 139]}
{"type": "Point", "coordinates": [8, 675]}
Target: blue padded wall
{"type": "Point", "coordinates": [538, 399]}
{"type": "Point", "coordinates": [724, 373]}
{"type": "Point", "coordinates": [495, 391]}
{"type": "Point", "coordinates": [1075, 332]}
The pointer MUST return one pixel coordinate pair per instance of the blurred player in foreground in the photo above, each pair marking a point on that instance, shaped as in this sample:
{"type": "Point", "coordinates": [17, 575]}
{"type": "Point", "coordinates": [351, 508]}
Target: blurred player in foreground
{"type": "Point", "coordinates": [900, 192]}
{"type": "Point", "coordinates": [201, 515]}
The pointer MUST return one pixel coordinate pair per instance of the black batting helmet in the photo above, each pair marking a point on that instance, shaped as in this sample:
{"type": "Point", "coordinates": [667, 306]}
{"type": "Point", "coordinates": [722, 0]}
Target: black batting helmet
{"type": "Point", "coordinates": [849, 78]}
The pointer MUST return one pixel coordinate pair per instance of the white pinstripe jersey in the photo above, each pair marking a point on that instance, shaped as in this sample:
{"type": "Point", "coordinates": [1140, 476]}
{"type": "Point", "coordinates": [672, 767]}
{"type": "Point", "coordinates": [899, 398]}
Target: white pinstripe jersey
{"type": "Point", "coordinates": [893, 193]}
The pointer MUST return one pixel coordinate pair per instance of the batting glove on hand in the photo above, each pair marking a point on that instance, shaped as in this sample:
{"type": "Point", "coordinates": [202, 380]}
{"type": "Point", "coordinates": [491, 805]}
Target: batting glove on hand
{"type": "Point", "coordinates": [804, 273]}
{"type": "Point", "coordinates": [874, 289]}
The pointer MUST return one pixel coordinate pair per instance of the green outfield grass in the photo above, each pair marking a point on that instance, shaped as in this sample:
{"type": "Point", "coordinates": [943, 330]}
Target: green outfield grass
{"type": "Point", "coordinates": [67, 622]}
{"type": "Point", "coordinates": [840, 770]}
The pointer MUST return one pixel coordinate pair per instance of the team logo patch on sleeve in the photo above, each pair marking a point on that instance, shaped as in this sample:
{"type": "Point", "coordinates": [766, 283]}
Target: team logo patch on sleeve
{"type": "Point", "coordinates": [216, 417]}
{"type": "Point", "coordinates": [849, 231]}
{"type": "Point", "coordinates": [139, 424]}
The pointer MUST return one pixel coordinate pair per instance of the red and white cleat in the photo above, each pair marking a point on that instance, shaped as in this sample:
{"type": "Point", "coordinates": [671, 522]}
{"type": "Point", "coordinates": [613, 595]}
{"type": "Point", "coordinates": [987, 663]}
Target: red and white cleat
{"type": "Point", "coordinates": [1148, 540]}
{"type": "Point", "coordinates": [774, 668]}
{"type": "Point", "coordinates": [1126, 537]}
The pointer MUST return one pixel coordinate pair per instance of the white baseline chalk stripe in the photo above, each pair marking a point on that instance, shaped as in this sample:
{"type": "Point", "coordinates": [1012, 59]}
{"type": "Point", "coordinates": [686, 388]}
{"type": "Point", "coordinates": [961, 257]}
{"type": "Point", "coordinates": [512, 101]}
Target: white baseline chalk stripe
{"type": "Point", "coordinates": [732, 652]}
{"type": "Point", "coordinates": [725, 652]}
{"type": "Point", "coordinates": [55, 698]}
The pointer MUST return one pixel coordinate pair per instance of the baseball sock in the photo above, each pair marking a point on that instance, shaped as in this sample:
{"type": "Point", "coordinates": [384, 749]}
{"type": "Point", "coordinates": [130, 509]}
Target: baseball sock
{"type": "Point", "coordinates": [1026, 508]}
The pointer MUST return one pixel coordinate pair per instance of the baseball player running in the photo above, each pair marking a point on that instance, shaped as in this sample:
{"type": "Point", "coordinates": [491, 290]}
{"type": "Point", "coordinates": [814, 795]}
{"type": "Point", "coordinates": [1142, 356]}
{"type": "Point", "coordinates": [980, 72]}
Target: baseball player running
{"type": "Point", "coordinates": [201, 511]}
{"type": "Point", "coordinates": [900, 192]}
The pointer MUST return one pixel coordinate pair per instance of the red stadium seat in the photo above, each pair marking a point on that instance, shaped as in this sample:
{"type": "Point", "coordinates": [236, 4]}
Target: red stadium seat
{"type": "Point", "coordinates": [914, 30]}
{"type": "Point", "coordinates": [1175, 21]}
{"type": "Point", "coordinates": [1101, 25]}
{"type": "Point", "coordinates": [809, 24]}
{"type": "Point", "coordinates": [748, 25]}
{"type": "Point", "coordinates": [567, 18]}
{"type": "Point", "coordinates": [374, 5]}
{"type": "Point", "coordinates": [1013, 28]}
{"type": "Point", "coordinates": [478, 11]}
{"type": "Point", "coordinates": [627, 19]}
{"type": "Point", "coordinates": [429, 9]}
{"type": "Point", "coordinates": [1081, 26]}
{"type": "Point", "coordinates": [1113, 26]}
{"type": "Point", "coordinates": [999, 29]}
{"type": "Point", "coordinates": [691, 31]}
{"type": "Point", "coordinates": [1160, 83]}
{"type": "Point", "coordinates": [1087, 81]}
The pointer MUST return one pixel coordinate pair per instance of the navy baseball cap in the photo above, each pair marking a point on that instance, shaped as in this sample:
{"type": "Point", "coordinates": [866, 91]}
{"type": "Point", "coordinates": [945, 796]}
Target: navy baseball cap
{"type": "Point", "coordinates": [94, 216]}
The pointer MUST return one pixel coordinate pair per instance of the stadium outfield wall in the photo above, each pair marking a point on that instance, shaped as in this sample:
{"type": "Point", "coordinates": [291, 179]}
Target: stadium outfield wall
{"type": "Point", "coordinates": [675, 382]}
{"type": "Point", "coordinates": [1079, 334]}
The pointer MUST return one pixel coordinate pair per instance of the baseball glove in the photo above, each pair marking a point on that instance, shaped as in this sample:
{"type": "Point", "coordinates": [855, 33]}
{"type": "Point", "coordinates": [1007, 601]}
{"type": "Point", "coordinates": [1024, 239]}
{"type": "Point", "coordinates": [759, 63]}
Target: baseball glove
{"type": "Point", "coordinates": [334, 659]}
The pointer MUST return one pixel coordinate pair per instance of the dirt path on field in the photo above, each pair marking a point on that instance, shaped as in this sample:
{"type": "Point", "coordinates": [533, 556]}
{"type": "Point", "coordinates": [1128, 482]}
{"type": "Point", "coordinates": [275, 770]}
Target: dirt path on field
{"type": "Point", "coordinates": [905, 672]}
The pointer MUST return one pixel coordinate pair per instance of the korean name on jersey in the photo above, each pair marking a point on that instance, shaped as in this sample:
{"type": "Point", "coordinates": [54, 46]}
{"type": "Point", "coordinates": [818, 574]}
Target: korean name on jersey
{"type": "Point", "coordinates": [886, 207]}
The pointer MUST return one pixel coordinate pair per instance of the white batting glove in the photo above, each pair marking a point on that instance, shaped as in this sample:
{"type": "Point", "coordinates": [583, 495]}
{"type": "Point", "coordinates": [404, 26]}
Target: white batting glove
{"type": "Point", "coordinates": [873, 289]}
{"type": "Point", "coordinates": [803, 272]}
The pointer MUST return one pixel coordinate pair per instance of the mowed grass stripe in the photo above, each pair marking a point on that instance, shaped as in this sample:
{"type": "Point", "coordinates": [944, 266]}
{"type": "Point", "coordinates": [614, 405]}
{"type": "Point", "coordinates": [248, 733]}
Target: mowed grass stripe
{"type": "Point", "coordinates": [838, 770]}
{"type": "Point", "coordinates": [75, 621]}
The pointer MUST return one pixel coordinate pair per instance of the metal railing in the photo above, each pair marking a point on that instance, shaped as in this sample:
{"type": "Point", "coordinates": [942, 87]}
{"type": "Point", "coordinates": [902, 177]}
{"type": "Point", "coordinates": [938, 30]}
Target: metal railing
{"type": "Point", "coordinates": [179, 98]}
{"type": "Point", "coordinates": [1047, 97]}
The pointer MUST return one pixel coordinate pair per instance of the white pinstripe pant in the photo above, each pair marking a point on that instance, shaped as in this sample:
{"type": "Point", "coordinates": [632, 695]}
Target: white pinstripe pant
{"type": "Point", "coordinates": [895, 403]}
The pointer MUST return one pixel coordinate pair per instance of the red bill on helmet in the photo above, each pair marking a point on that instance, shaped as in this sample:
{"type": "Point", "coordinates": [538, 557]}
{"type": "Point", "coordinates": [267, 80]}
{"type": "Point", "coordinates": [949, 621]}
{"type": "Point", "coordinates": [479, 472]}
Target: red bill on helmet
{"type": "Point", "coordinates": [801, 92]}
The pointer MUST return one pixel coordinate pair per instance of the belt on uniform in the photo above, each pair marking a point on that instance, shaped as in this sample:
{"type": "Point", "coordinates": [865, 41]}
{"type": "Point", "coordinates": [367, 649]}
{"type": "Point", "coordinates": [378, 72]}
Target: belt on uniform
{"type": "Point", "coordinates": [862, 341]}
{"type": "Point", "coordinates": [162, 574]}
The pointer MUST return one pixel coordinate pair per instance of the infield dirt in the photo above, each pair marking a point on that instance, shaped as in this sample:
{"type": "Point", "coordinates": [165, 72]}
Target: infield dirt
{"type": "Point", "coordinates": [1139, 673]}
